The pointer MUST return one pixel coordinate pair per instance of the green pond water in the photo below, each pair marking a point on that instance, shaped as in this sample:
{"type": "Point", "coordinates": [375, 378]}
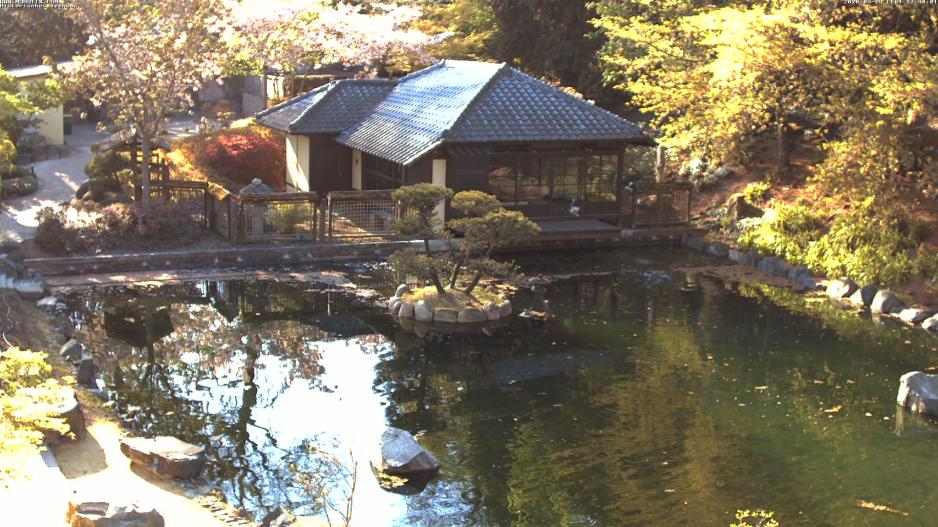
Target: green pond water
{"type": "Point", "coordinates": [652, 400]}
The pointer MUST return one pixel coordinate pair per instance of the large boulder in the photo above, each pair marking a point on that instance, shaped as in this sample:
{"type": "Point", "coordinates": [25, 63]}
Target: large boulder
{"type": "Point", "coordinates": [445, 315]}
{"type": "Point", "coordinates": [471, 315]}
{"type": "Point", "coordinates": [931, 324]}
{"type": "Point", "coordinates": [164, 456]}
{"type": "Point", "coordinates": [808, 282]}
{"type": "Point", "coordinates": [914, 315]}
{"type": "Point", "coordinates": [87, 371]}
{"type": "Point", "coordinates": [841, 288]}
{"type": "Point", "coordinates": [797, 272]}
{"type": "Point", "coordinates": [67, 408]}
{"type": "Point", "coordinates": [422, 312]}
{"type": "Point", "coordinates": [72, 351]}
{"type": "Point", "coordinates": [491, 311]}
{"type": "Point", "coordinates": [864, 295]}
{"type": "Point", "coordinates": [400, 456]}
{"type": "Point", "coordinates": [767, 264]}
{"type": "Point", "coordinates": [885, 301]}
{"type": "Point", "coordinates": [696, 243]}
{"type": "Point", "coordinates": [918, 392]}
{"type": "Point", "coordinates": [719, 249]}
{"type": "Point", "coordinates": [737, 208]}
{"type": "Point", "coordinates": [740, 257]}
{"type": "Point", "coordinates": [402, 290]}
{"type": "Point", "coordinates": [394, 303]}
{"type": "Point", "coordinates": [406, 310]}
{"type": "Point", "coordinates": [104, 514]}
{"type": "Point", "coordinates": [504, 309]}
{"type": "Point", "coordinates": [782, 268]}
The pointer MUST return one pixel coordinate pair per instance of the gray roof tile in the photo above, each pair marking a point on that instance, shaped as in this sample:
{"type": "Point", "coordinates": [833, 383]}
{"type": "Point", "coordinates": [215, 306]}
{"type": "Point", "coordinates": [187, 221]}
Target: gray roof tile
{"type": "Point", "coordinates": [450, 102]}
{"type": "Point", "coordinates": [328, 109]}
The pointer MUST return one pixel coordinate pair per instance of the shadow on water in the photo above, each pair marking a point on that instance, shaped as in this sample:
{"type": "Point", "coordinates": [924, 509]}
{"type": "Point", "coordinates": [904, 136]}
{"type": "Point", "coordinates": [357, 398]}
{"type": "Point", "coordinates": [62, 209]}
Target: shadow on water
{"type": "Point", "coordinates": [654, 399]}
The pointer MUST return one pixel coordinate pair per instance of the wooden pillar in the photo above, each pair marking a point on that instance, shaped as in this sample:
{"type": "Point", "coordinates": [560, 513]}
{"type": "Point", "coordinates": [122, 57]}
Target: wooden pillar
{"type": "Point", "coordinates": [661, 160]}
{"type": "Point", "coordinates": [620, 187]}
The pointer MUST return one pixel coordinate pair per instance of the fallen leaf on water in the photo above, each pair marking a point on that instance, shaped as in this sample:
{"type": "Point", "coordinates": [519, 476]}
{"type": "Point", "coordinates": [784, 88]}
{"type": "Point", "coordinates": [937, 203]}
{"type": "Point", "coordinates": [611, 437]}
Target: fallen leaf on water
{"type": "Point", "coordinates": [863, 504]}
{"type": "Point", "coordinates": [834, 410]}
{"type": "Point", "coordinates": [761, 388]}
{"type": "Point", "coordinates": [817, 381]}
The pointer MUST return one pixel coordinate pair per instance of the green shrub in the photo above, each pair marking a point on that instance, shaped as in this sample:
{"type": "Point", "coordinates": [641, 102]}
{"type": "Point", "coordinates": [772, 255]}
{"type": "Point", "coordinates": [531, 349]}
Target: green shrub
{"type": "Point", "coordinates": [55, 235]}
{"type": "Point", "coordinates": [28, 396]}
{"type": "Point", "coordinates": [787, 231]}
{"type": "Point", "coordinates": [756, 193]}
{"type": "Point", "coordinates": [163, 221]}
{"type": "Point", "coordinates": [18, 186]}
{"type": "Point", "coordinates": [106, 165]}
{"type": "Point", "coordinates": [287, 218]}
{"type": "Point", "coordinates": [867, 244]}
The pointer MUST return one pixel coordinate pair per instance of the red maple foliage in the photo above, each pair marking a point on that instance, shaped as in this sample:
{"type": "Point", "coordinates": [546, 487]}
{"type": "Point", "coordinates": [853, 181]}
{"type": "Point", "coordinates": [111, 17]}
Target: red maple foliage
{"type": "Point", "coordinates": [241, 155]}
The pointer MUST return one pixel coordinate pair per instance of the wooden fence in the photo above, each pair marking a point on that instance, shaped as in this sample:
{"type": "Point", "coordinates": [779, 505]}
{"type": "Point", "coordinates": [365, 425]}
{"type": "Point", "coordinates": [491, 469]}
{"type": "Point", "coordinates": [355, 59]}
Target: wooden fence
{"type": "Point", "coordinates": [360, 215]}
{"type": "Point", "coordinates": [190, 197]}
{"type": "Point", "coordinates": [356, 216]}
{"type": "Point", "coordinates": [661, 204]}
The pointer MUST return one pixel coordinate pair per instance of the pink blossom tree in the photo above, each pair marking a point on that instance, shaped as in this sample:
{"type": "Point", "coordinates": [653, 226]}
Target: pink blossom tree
{"type": "Point", "coordinates": [145, 59]}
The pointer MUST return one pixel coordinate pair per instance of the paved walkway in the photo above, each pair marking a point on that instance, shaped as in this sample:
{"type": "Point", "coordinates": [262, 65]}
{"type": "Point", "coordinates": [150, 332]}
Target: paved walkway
{"type": "Point", "coordinates": [58, 181]}
{"type": "Point", "coordinates": [60, 178]}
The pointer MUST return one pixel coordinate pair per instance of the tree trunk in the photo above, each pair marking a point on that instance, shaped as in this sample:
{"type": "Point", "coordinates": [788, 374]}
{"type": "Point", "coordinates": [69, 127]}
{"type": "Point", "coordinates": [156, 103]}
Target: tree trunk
{"type": "Point", "coordinates": [478, 276]}
{"type": "Point", "coordinates": [145, 172]}
{"type": "Point", "coordinates": [434, 276]}
{"type": "Point", "coordinates": [781, 138]}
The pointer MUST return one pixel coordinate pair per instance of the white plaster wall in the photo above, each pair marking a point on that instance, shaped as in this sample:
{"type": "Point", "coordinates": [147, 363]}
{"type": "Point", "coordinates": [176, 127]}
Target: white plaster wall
{"type": "Point", "coordinates": [357, 169]}
{"type": "Point", "coordinates": [297, 163]}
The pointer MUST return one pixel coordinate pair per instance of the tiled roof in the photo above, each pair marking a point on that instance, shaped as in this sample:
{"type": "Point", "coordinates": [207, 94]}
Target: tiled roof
{"type": "Point", "coordinates": [328, 109]}
{"type": "Point", "coordinates": [422, 107]}
{"type": "Point", "coordinates": [517, 107]}
{"type": "Point", "coordinates": [451, 102]}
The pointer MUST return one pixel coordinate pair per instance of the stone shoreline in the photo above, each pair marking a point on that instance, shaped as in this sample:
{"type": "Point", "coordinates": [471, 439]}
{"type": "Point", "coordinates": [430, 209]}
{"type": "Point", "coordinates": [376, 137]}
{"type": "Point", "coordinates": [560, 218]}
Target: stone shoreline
{"type": "Point", "coordinates": [840, 290]}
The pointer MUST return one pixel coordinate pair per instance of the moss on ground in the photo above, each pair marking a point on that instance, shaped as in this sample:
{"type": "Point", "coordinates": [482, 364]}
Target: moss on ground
{"type": "Point", "coordinates": [453, 298]}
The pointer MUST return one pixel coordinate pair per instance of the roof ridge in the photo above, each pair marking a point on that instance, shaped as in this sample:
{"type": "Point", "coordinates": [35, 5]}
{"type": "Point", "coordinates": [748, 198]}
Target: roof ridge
{"type": "Point", "coordinates": [330, 90]}
{"type": "Point", "coordinates": [333, 92]}
{"type": "Point", "coordinates": [419, 73]}
{"type": "Point", "coordinates": [289, 101]}
{"type": "Point", "coordinates": [582, 102]}
{"type": "Point", "coordinates": [444, 135]}
{"type": "Point", "coordinates": [475, 98]}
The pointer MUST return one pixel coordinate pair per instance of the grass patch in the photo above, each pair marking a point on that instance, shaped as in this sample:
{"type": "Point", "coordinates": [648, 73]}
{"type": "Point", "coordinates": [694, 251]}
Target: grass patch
{"type": "Point", "coordinates": [453, 298]}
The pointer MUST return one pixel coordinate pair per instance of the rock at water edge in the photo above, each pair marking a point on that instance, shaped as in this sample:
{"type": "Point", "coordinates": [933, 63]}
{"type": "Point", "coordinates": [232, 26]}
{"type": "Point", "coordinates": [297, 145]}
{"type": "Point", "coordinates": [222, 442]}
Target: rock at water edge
{"type": "Point", "coordinates": [471, 315]}
{"type": "Point", "coordinates": [72, 351]}
{"type": "Point", "coordinates": [104, 514]}
{"type": "Point", "coordinates": [166, 457]}
{"type": "Point", "coordinates": [931, 324]}
{"type": "Point", "coordinates": [886, 301]}
{"type": "Point", "coordinates": [402, 290]}
{"type": "Point", "coordinates": [491, 311]}
{"type": "Point", "coordinates": [87, 371]}
{"type": "Point", "coordinates": [913, 315]}
{"type": "Point", "coordinates": [918, 392]}
{"type": "Point", "coordinates": [841, 288]}
{"type": "Point", "coordinates": [504, 309]}
{"type": "Point", "coordinates": [864, 295]}
{"type": "Point", "coordinates": [401, 456]}
{"type": "Point", "coordinates": [445, 315]}
{"type": "Point", "coordinates": [406, 310]}
{"type": "Point", "coordinates": [422, 312]}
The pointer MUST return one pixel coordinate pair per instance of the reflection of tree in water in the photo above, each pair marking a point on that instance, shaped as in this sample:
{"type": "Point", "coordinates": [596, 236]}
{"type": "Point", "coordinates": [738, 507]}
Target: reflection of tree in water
{"type": "Point", "coordinates": [188, 361]}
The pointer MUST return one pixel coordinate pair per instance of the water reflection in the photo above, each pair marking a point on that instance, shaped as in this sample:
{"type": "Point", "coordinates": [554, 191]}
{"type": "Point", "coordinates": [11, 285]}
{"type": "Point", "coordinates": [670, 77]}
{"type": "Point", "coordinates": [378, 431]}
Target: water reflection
{"type": "Point", "coordinates": [655, 399]}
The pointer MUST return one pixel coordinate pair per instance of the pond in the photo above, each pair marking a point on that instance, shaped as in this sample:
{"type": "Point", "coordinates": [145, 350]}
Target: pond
{"type": "Point", "coordinates": [653, 399]}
